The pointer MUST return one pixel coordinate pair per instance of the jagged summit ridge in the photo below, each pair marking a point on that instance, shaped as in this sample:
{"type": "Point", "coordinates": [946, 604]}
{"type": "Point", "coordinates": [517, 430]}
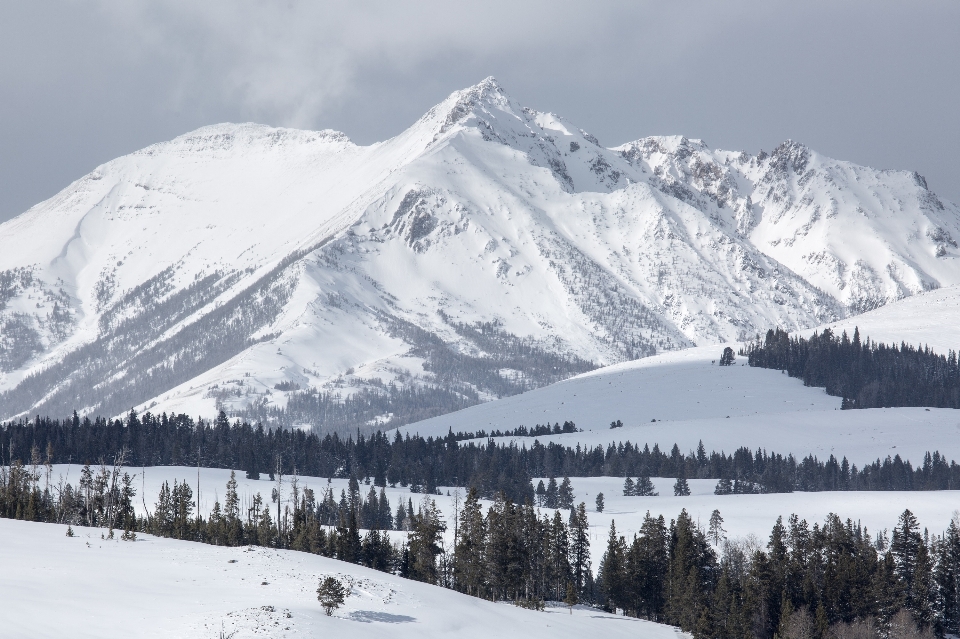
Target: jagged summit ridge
{"type": "Point", "coordinates": [488, 249]}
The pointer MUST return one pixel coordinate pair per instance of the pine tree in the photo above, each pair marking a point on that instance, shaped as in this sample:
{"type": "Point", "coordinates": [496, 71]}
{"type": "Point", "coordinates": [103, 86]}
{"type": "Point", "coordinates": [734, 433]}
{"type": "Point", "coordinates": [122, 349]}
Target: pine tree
{"type": "Point", "coordinates": [727, 358]}
{"type": "Point", "coordinates": [559, 556]}
{"type": "Point", "coordinates": [629, 490]}
{"type": "Point", "coordinates": [424, 542]}
{"type": "Point", "coordinates": [468, 566]}
{"type": "Point", "coordinates": [551, 496]}
{"type": "Point", "coordinates": [541, 493]}
{"type": "Point", "coordinates": [613, 570]}
{"type": "Point", "coordinates": [579, 546]}
{"type": "Point", "coordinates": [724, 487]}
{"type": "Point", "coordinates": [644, 487]}
{"type": "Point", "coordinates": [571, 597]}
{"type": "Point", "coordinates": [565, 494]}
{"type": "Point", "coordinates": [716, 533]}
{"type": "Point", "coordinates": [599, 502]}
{"type": "Point", "coordinates": [680, 488]}
{"type": "Point", "coordinates": [947, 578]}
{"type": "Point", "coordinates": [907, 546]}
{"type": "Point", "coordinates": [331, 594]}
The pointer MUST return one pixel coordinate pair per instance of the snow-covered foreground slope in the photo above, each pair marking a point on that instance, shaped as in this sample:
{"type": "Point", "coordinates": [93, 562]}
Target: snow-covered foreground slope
{"type": "Point", "coordinates": [56, 586]}
{"type": "Point", "coordinates": [234, 265]}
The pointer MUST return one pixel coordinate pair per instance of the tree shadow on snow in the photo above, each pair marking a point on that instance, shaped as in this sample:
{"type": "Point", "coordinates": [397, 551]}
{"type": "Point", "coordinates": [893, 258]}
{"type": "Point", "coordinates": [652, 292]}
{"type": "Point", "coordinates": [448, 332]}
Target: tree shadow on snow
{"type": "Point", "coordinates": [369, 616]}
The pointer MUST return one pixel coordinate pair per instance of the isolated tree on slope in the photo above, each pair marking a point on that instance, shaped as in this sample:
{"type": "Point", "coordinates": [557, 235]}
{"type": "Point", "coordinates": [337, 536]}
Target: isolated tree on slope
{"type": "Point", "coordinates": [331, 594]}
{"type": "Point", "coordinates": [681, 489]}
{"type": "Point", "coordinates": [727, 358]}
{"type": "Point", "coordinates": [599, 502]}
{"type": "Point", "coordinates": [644, 487]}
{"type": "Point", "coordinates": [715, 532]}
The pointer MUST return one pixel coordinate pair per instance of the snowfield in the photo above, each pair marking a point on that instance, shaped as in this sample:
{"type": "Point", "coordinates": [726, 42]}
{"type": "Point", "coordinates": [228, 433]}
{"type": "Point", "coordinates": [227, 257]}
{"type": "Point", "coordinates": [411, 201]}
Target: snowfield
{"type": "Point", "coordinates": [56, 586]}
{"type": "Point", "coordinates": [931, 319]}
{"type": "Point", "coordinates": [692, 400]}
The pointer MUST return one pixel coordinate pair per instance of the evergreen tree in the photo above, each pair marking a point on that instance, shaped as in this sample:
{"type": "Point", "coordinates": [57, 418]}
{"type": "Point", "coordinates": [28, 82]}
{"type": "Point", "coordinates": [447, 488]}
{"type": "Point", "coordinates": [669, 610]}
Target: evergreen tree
{"type": "Point", "coordinates": [947, 578]}
{"type": "Point", "coordinates": [599, 502]}
{"type": "Point", "coordinates": [613, 576]}
{"type": "Point", "coordinates": [331, 594]}
{"type": "Point", "coordinates": [552, 494]}
{"type": "Point", "coordinates": [565, 494]}
{"type": "Point", "coordinates": [644, 487]}
{"type": "Point", "coordinates": [468, 565]}
{"type": "Point", "coordinates": [628, 488]}
{"type": "Point", "coordinates": [727, 358]}
{"type": "Point", "coordinates": [541, 494]}
{"type": "Point", "coordinates": [424, 542]}
{"type": "Point", "coordinates": [907, 547]}
{"type": "Point", "coordinates": [558, 560]}
{"type": "Point", "coordinates": [579, 546]}
{"type": "Point", "coordinates": [724, 487]}
{"type": "Point", "coordinates": [680, 488]}
{"type": "Point", "coordinates": [716, 533]}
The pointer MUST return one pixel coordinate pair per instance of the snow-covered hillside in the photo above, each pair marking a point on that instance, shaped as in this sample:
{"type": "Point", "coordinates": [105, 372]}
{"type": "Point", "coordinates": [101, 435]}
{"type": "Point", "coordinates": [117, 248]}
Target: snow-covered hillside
{"type": "Point", "coordinates": [929, 319]}
{"type": "Point", "coordinates": [692, 400]}
{"type": "Point", "coordinates": [487, 250]}
{"type": "Point", "coordinates": [57, 586]}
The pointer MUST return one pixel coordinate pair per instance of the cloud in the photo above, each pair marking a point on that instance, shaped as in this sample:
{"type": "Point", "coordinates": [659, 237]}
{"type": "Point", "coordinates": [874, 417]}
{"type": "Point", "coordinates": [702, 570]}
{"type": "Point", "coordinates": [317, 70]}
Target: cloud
{"type": "Point", "coordinates": [871, 81]}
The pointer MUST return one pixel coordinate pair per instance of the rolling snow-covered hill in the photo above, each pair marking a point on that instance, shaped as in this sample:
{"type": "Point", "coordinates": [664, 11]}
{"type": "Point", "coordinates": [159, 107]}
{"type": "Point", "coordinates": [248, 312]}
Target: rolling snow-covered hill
{"type": "Point", "coordinates": [85, 586]}
{"type": "Point", "coordinates": [487, 250]}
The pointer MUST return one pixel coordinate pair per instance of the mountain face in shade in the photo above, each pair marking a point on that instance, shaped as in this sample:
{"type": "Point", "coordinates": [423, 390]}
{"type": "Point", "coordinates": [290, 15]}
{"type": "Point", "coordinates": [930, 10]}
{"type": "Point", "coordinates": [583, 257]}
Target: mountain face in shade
{"type": "Point", "coordinates": [297, 278]}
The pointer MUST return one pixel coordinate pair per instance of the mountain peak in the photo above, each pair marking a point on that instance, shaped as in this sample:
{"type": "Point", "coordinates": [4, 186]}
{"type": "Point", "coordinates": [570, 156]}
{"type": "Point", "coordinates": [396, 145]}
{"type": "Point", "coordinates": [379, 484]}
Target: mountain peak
{"type": "Point", "coordinates": [484, 96]}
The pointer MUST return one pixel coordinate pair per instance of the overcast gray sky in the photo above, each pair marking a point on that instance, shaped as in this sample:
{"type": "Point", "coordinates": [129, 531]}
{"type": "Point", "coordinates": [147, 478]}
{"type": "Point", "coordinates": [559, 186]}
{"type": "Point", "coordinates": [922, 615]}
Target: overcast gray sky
{"type": "Point", "coordinates": [84, 81]}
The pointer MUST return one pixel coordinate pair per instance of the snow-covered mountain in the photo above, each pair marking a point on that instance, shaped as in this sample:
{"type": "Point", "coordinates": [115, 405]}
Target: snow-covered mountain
{"type": "Point", "coordinates": [486, 250]}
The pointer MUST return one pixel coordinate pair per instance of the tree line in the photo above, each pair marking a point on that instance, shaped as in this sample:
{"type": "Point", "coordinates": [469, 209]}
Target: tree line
{"type": "Point", "coordinates": [831, 581]}
{"type": "Point", "coordinates": [423, 464]}
{"type": "Point", "coordinates": [865, 374]}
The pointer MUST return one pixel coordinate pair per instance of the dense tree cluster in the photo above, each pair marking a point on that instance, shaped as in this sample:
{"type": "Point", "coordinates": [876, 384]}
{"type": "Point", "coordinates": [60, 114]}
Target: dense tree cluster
{"type": "Point", "coordinates": [833, 581]}
{"type": "Point", "coordinates": [423, 464]}
{"type": "Point", "coordinates": [864, 373]}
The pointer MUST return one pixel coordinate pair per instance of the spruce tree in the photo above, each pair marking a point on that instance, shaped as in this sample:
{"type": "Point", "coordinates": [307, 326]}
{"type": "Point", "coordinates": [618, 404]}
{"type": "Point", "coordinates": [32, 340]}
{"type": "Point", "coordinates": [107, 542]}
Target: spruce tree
{"type": "Point", "coordinates": [680, 488]}
{"type": "Point", "coordinates": [716, 533]}
{"type": "Point", "coordinates": [552, 494]}
{"type": "Point", "coordinates": [629, 489]}
{"type": "Point", "coordinates": [331, 594]}
{"type": "Point", "coordinates": [565, 494]}
{"type": "Point", "coordinates": [644, 487]}
{"type": "Point", "coordinates": [613, 575]}
{"type": "Point", "coordinates": [599, 502]}
{"type": "Point", "coordinates": [579, 546]}
{"type": "Point", "coordinates": [468, 564]}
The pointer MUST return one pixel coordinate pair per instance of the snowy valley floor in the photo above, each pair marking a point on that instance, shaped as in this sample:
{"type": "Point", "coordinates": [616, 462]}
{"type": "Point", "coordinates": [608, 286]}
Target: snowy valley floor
{"type": "Point", "coordinates": [56, 586]}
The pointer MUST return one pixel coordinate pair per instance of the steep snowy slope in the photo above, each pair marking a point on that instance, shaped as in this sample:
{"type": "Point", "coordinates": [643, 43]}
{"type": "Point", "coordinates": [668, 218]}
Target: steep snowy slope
{"type": "Point", "coordinates": [487, 250]}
